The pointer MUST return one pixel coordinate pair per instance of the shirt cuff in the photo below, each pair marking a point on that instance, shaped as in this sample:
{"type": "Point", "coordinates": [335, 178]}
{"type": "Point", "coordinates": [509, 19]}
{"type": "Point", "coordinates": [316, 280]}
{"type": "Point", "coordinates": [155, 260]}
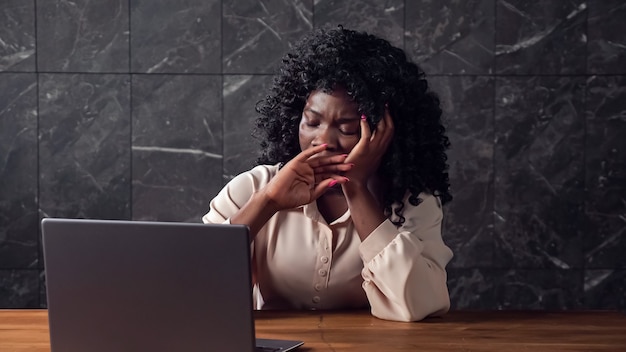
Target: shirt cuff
{"type": "Point", "coordinates": [378, 240]}
{"type": "Point", "coordinates": [207, 220]}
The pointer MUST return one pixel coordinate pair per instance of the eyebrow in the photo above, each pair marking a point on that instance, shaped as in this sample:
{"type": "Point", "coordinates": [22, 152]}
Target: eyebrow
{"type": "Point", "coordinates": [340, 120]}
{"type": "Point", "coordinates": [313, 111]}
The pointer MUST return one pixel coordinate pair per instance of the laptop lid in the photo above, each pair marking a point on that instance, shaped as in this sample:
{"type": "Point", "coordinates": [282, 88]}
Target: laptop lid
{"type": "Point", "coordinates": [147, 286]}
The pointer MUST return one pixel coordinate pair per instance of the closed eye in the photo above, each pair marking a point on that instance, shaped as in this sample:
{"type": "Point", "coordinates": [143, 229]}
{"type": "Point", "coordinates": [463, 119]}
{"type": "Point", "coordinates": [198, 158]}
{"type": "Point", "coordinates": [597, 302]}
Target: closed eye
{"type": "Point", "coordinates": [312, 124]}
{"type": "Point", "coordinates": [349, 127]}
{"type": "Point", "coordinates": [348, 132]}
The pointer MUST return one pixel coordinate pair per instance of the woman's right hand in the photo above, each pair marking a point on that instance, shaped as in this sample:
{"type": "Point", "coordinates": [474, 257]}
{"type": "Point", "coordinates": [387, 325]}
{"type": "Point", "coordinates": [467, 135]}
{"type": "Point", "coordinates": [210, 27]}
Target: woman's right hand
{"type": "Point", "coordinates": [296, 184]}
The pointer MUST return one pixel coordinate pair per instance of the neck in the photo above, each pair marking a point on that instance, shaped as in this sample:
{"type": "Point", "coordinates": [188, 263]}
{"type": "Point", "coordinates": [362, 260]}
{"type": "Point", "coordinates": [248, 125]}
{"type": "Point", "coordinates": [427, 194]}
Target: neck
{"type": "Point", "coordinates": [332, 205]}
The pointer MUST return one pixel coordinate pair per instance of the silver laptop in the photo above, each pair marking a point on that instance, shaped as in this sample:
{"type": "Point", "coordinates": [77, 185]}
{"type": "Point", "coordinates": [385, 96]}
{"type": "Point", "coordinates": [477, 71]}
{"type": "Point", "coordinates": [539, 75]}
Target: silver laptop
{"type": "Point", "coordinates": [150, 286]}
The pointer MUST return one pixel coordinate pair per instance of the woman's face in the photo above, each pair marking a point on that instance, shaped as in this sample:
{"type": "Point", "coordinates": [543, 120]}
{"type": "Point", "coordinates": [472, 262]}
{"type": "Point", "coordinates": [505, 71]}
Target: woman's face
{"type": "Point", "coordinates": [333, 119]}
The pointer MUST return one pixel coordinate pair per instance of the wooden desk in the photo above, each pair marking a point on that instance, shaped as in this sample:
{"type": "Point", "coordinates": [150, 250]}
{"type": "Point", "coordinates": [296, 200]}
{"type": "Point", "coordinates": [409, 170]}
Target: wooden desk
{"type": "Point", "coordinates": [27, 330]}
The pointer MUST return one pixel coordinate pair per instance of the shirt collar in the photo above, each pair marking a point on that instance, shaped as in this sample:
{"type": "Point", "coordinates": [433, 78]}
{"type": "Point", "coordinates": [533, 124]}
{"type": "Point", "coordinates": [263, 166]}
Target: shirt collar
{"type": "Point", "coordinates": [311, 211]}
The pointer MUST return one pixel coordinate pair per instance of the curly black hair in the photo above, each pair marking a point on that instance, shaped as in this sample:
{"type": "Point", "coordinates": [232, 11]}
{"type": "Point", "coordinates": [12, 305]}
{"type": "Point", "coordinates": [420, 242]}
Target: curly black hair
{"type": "Point", "coordinates": [373, 73]}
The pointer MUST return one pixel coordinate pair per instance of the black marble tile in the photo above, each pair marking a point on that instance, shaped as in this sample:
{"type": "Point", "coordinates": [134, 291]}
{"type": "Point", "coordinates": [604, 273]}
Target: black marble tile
{"type": "Point", "coordinates": [82, 36]}
{"type": "Point", "coordinates": [447, 37]}
{"type": "Point", "coordinates": [84, 146]}
{"type": "Point", "coordinates": [605, 289]}
{"type": "Point", "coordinates": [510, 289]}
{"type": "Point", "coordinates": [541, 37]}
{"type": "Point", "coordinates": [17, 46]}
{"type": "Point", "coordinates": [468, 107]}
{"type": "Point", "coordinates": [539, 289]}
{"type": "Point", "coordinates": [175, 36]}
{"type": "Point", "coordinates": [241, 93]}
{"type": "Point", "coordinates": [19, 288]}
{"type": "Point", "coordinates": [256, 34]}
{"type": "Point", "coordinates": [539, 172]}
{"type": "Point", "coordinates": [177, 146]}
{"type": "Point", "coordinates": [18, 170]}
{"type": "Point", "coordinates": [472, 288]}
{"type": "Point", "coordinates": [382, 18]}
{"type": "Point", "coordinates": [605, 151]}
{"type": "Point", "coordinates": [43, 296]}
{"type": "Point", "coordinates": [606, 50]}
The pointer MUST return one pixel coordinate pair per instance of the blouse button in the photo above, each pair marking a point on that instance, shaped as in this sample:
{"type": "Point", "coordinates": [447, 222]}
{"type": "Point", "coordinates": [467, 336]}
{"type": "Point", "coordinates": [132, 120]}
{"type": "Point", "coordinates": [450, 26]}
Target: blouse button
{"type": "Point", "coordinates": [324, 259]}
{"type": "Point", "coordinates": [322, 272]}
{"type": "Point", "coordinates": [318, 287]}
{"type": "Point", "coordinates": [316, 299]}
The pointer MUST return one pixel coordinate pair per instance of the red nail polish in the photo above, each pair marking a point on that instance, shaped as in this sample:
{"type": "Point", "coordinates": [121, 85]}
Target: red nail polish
{"type": "Point", "coordinates": [332, 183]}
{"type": "Point", "coordinates": [363, 117]}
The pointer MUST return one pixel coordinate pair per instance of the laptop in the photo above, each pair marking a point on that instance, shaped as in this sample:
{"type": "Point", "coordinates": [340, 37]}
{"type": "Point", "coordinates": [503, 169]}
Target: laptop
{"type": "Point", "coordinates": [150, 286]}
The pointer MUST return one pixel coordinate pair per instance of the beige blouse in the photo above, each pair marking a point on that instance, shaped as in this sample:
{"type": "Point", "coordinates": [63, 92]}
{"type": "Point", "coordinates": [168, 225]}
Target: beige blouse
{"type": "Point", "coordinates": [398, 271]}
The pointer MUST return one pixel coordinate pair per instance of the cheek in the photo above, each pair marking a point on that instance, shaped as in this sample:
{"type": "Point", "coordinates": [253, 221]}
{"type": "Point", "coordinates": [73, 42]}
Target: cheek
{"type": "Point", "coordinates": [303, 137]}
{"type": "Point", "coordinates": [348, 143]}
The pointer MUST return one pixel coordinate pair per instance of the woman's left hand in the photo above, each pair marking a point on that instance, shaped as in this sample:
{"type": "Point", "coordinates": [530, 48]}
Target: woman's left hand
{"type": "Point", "coordinates": [368, 152]}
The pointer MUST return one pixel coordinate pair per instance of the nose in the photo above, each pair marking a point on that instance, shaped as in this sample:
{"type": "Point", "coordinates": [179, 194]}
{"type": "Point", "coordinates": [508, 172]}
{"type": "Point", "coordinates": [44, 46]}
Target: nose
{"type": "Point", "coordinates": [326, 135]}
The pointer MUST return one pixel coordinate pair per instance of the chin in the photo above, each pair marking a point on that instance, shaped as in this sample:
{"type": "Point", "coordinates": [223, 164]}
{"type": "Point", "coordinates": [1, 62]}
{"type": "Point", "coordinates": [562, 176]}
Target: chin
{"type": "Point", "coordinates": [336, 189]}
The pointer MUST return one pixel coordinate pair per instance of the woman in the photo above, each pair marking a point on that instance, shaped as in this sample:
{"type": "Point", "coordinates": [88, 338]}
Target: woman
{"type": "Point", "coordinates": [344, 208]}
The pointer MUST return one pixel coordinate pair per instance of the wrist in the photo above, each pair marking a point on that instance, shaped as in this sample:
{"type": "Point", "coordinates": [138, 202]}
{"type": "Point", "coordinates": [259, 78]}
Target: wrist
{"type": "Point", "coordinates": [265, 202]}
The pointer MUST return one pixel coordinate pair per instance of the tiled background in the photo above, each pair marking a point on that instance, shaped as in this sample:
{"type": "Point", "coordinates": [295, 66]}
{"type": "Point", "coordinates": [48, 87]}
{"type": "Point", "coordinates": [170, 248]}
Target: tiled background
{"type": "Point", "coordinates": [136, 109]}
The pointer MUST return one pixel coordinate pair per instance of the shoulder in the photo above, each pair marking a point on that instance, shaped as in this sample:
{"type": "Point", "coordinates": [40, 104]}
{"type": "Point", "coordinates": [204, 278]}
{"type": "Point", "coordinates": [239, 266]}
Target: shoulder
{"type": "Point", "coordinates": [260, 174]}
{"type": "Point", "coordinates": [238, 191]}
{"type": "Point", "coordinates": [252, 180]}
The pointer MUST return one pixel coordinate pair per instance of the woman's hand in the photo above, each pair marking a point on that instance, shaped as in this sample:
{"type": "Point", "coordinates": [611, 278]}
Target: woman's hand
{"type": "Point", "coordinates": [297, 183]}
{"type": "Point", "coordinates": [368, 152]}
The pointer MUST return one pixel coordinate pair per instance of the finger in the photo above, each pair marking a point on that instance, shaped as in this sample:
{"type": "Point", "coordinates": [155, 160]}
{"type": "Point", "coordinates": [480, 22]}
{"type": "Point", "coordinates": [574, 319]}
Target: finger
{"type": "Point", "coordinates": [389, 127]}
{"type": "Point", "coordinates": [385, 122]}
{"type": "Point", "coordinates": [388, 120]}
{"type": "Point", "coordinates": [366, 133]}
{"type": "Point", "coordinates": [380, 129]}
{"type": "Point", "coordinates": [333, 168]}
{"type": "Point", "coordinates": [307, 153]}
{"type": "Point", "coordinates": [327, 160]}
{"type": "Point", "coordinates": [384, 130]}
{"type": "Point", "coordinates": [319, 178]}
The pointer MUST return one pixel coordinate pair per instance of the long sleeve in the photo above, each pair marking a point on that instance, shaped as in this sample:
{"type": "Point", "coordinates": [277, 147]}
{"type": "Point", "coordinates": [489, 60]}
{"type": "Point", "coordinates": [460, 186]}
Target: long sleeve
{"type": "Point", "coordinates": [238, 191]}
{"type": "Point", "coordinates": [404, 268]}
{"type": "Point", "coordinates": [400, 272]}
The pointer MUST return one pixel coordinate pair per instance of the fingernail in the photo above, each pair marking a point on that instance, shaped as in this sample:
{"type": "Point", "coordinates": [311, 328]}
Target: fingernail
{"type": "Point", "coordinates": [344, 155]}
{"type": "Point", "coordinates": [323, 145]}
{"type": "Point", "coordinates": [332, 183]}
{"type": "Point", "coordinates": [363, 117]}
{"type": "Point", "coordinates": [347, 179]}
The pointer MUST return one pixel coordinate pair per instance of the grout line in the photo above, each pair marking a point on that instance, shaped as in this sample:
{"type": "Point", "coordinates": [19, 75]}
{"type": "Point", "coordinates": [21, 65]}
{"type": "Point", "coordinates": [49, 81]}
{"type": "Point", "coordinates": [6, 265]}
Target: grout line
{"type": "Point", "coordinates": [494, 228]}
{"type": "Point", "coordinates": [129, 38]}
{"type": "Point", "coordinates": [584, 146]}
{"type": "Point", "coordinates": [404, 30]}
{"type": "Point", "coordinates": [271, 74]}
{"type": "Point", "coordinates": [313, 14]}
{"type": "Point", "coordinates": [221, 89]}
{"type": "Point", "coordinates": [130, 114]}
{"type": "Point", "coordinates": [130, 144]}
{"type": "Point", "coordinates": [40, 264]}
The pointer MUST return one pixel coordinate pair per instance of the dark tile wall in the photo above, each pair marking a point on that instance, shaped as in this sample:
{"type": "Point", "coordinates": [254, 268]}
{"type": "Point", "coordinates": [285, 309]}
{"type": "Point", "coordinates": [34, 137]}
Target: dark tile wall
{"type": "Point", "coordinates": [131, 109]}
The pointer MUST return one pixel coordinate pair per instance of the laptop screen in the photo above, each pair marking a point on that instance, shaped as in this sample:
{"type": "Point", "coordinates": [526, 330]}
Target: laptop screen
{"type": "Point", "coordinates": [147, 286]}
